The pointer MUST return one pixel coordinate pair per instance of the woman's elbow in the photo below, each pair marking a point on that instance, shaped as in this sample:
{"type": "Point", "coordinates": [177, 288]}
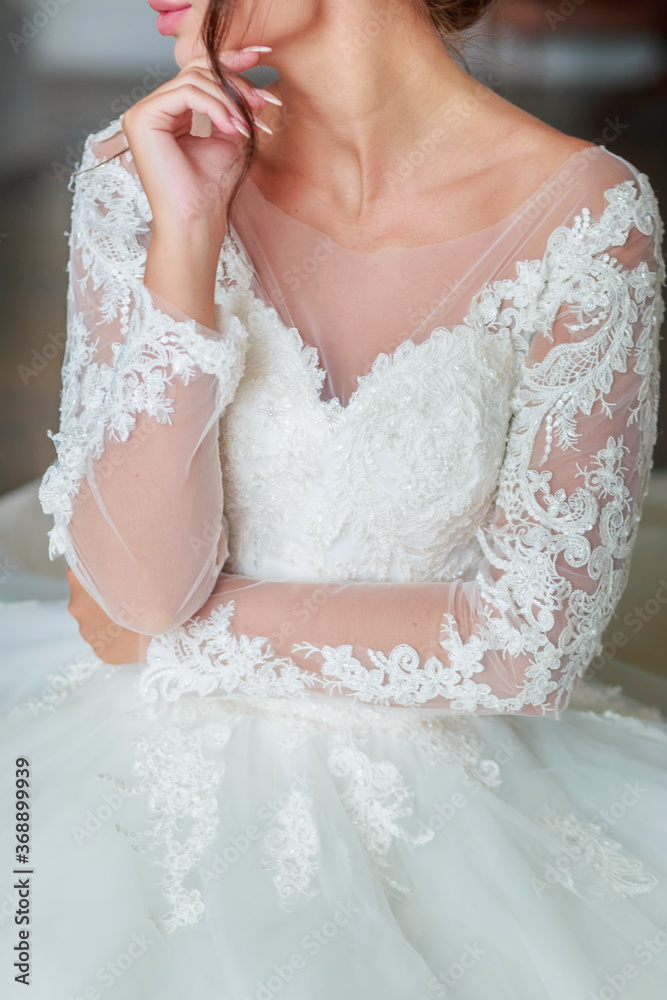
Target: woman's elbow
{"type": "Point", "coordinates": [155, 610]}
{"type": "Point", "coordinates": [163, 615]}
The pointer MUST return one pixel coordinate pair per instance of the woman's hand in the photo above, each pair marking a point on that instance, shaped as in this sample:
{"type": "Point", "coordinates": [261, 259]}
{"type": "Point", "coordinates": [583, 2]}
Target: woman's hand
{"type": "Point", "coordinates": [110, 641]}
{"type": "Point", "coordinates": [188, 179]}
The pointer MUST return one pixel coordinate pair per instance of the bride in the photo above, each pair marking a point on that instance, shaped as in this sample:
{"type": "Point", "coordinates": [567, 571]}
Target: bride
{"type": "Point", "coordinates": [359, 403]}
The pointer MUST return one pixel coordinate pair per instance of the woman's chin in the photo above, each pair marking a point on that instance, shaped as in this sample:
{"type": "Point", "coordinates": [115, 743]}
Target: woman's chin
{"type": "Point", "coordinates": [186, 49]}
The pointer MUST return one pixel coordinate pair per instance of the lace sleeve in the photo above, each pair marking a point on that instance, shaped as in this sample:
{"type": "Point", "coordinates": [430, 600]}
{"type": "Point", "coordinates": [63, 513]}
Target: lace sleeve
{"type": "Point", "coordinates": [136, 488]}
{"type": "Point", "coordinates": [556, 549]}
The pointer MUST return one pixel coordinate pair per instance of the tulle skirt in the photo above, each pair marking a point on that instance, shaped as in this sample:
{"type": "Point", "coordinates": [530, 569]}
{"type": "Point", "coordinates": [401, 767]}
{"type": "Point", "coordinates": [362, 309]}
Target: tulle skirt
{"type": "Point", "coordinates": [228, 849]}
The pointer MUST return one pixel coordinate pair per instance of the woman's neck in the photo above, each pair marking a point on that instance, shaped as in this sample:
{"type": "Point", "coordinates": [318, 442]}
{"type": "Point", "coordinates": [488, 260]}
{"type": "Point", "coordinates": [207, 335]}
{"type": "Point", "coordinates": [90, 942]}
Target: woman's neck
{"type": "Point", "coordinates": [359, 98]}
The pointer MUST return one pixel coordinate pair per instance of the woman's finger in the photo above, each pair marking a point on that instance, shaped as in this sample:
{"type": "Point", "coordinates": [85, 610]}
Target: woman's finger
{"type": "Point", "coordinates": [201, 76]}
{"type": "Point", "coordinates": [211, 87]}
{"type": "Point", "coordinates": [238, 60]}
{"type": "Point", "coordinates": [256, 96]}
{"type": "Point", "coordinates": [173, 109]}
{"type": "Point", "coordinates": [197, 77]}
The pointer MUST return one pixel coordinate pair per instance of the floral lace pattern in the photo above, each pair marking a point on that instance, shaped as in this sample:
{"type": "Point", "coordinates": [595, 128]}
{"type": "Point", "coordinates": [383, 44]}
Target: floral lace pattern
{"type": "Point", "coordinates": [448, 741]}
{"type": "Point", "coordinates": [180, 764]}
{"type": "Point", "coordinates": [596, 863]}
{"type": "Point", "coordinates": [189, 660]}
{"type": "Point", "coordinates": [179, 770]}
{"type": "Point", "coordinates": [375, 798]}
{"type": "Point", "coordinates": [292, 848]}
{"type": "Point", "coordinates": [290, 510]}
{"type": "Point", "coordinates": [455, 468]}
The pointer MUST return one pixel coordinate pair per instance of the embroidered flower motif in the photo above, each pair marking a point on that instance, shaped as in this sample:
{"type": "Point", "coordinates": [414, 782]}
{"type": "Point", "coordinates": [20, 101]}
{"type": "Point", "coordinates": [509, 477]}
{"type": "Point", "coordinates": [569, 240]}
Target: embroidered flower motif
{"type": "Point", "coordinates": [375, 799]}
{"type": "Point", "coordinates": [586, 847]}
{"type": "Point", "coordinates": [181, 782]}
{"type": "Point", "coordinates": [292, 847]}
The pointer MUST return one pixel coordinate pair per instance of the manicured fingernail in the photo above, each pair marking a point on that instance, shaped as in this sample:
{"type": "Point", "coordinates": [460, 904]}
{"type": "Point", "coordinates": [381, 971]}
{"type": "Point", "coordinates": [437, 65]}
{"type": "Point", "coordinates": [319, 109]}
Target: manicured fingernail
{"type": "Point", "coordinates": [271, 98]}
{"type": "Point", "coordinates": [257, 48]}
{"type": "Point", "coordinates": [242, 127]}
{"type": "Point", "coordinates": [264, 127]}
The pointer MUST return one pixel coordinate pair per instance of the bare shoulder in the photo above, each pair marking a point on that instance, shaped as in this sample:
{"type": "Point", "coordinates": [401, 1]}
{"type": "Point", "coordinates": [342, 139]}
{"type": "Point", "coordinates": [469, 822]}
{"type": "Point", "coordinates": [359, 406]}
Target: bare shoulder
{"type": "Point", "coordinates": [518, 153]}
{"type": "Point", "coordinates": [527, 151]}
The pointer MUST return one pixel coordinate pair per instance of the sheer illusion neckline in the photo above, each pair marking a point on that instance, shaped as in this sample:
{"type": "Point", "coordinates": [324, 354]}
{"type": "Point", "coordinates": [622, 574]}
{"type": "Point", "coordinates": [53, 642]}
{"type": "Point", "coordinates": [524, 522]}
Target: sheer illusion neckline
{"type": "Point", "coordinates": [311, 359]}
{"type": "Point", "coordinates": [508, 220]}
{"type": "Point", "coordinates": [310, 355]}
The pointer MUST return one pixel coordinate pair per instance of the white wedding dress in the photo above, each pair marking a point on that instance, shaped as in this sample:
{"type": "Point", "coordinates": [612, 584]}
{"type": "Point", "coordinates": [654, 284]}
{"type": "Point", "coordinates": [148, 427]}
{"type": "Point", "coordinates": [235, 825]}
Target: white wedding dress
{"type": "Point", "coordinates": [355, 757]}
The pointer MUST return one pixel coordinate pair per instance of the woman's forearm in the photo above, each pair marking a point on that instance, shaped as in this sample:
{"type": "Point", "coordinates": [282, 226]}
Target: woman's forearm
{"type": "Point", "coordinates": [181, 266]}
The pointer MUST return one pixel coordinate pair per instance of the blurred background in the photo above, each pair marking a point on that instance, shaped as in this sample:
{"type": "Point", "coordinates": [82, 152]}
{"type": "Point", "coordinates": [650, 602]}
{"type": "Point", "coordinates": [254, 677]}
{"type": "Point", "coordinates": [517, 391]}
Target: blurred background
{"type": "Point", "coordinates": [592, 68]}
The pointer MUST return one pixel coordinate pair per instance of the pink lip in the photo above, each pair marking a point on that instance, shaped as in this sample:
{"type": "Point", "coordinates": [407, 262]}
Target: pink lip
{"type": "Point", "coordinates": [168, 15]}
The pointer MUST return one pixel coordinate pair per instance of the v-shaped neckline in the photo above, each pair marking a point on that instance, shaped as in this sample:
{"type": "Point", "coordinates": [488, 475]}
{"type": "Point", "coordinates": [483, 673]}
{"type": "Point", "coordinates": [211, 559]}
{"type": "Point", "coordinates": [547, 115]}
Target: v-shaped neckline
{"type": "Point", "coordinates": [309, 351]}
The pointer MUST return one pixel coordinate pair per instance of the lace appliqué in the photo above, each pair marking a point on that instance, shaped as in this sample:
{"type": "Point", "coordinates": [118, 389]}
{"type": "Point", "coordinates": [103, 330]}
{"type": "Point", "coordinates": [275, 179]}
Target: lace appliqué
{"type": "Point", "coordinates": [595, 863]}
{"type": "Point", "coordinates": [292, 847]}
{"type": "Point", "coordinates": [420, 411]}
{"type": "Point", "coordinates": [205, 656]}
{"type": "Point", "coordinates": [180, 771]}
{"type": "Point", "coordinates": [375, 799]}
{"type": "Point", "coordinates": [615, 317]}
{"type": "Point", "coordinates": [531, 617]}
